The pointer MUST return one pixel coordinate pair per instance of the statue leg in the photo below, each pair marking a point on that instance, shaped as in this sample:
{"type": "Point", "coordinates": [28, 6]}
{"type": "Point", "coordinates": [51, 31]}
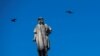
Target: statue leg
{"type": "Point", "coordinates": [39, 52]}
{"type": "Point", "coordinates": [44, 52]}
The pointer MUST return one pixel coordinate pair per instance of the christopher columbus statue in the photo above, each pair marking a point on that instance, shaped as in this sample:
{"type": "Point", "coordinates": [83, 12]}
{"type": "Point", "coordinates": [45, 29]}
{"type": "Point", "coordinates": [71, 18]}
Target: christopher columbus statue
{"type": "Point", "coordinates": [41, 34]}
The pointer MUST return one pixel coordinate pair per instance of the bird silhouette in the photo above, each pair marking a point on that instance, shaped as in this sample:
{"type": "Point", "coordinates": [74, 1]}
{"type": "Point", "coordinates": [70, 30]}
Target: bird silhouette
{"type": "Point", "coordinates": [13, 20]}
{"type": "Point", "coordinates": [69, 12]}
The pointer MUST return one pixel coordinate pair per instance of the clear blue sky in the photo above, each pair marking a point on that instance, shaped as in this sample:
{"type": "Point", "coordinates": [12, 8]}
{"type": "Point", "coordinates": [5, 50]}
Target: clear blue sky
{"type": "Point", "coordinates": [77, 34]}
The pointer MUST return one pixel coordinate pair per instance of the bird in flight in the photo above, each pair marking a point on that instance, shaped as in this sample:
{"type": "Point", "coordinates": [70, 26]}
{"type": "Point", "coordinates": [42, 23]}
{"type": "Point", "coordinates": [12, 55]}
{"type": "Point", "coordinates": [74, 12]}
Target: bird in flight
{"type": "Point", "coordinates": [69, 12]}
{"type": "Point", "coordinates": [13, 20]}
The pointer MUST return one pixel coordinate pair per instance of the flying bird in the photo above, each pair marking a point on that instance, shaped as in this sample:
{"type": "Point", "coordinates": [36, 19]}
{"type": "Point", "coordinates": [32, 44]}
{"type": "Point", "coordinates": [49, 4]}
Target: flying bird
{"type": "Point", "coordinates": [13, 20]}
{"type": "Point", "coordinates": [69, 12]}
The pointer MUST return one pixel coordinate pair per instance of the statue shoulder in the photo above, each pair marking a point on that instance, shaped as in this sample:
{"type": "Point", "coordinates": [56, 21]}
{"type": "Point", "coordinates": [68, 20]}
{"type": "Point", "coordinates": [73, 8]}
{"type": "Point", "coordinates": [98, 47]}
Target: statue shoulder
{"type": "Point", "coordinates": [46, 25]}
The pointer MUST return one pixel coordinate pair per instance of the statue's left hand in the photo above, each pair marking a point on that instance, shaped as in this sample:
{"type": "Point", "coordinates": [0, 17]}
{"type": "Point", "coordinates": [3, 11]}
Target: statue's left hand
{"type": "Point", "coordinates": [48, 48]}
{"type": "Point", "coordinates": [34, 40]}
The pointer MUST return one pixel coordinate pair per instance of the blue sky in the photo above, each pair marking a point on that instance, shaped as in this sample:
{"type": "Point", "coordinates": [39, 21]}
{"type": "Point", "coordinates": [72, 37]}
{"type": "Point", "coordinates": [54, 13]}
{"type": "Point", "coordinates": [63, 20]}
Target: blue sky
{"type": "Point", "coordinates": [76, 34]}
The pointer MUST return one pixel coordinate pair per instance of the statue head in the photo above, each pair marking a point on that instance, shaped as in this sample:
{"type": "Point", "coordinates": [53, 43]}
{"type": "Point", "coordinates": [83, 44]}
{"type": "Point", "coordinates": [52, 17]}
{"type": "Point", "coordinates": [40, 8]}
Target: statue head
{"type": "Point", "coordinates": [40, 20]}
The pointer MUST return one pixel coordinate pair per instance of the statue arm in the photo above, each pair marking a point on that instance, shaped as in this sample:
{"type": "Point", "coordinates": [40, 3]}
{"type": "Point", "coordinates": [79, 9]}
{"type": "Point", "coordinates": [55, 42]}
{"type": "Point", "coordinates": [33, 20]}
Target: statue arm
{"type": "Point", "coordinates": [35, 33]}
{"type": "Point", "coordinates": [48, 29]}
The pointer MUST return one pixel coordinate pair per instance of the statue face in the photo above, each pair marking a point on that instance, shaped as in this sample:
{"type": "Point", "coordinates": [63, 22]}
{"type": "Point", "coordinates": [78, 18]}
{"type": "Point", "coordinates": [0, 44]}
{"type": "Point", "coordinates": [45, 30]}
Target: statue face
{"type": "Point", "coordinates": [40, 21]}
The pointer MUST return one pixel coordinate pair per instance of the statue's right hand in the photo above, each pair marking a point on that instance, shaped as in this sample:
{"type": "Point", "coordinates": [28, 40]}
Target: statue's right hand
{"type": "Point", "coordinates": [34, 40]}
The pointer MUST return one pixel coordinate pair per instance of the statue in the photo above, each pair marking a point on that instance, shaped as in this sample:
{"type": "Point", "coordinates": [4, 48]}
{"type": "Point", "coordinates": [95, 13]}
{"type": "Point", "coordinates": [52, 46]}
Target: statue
{"type": "Point", "coordinates": [41, 33]}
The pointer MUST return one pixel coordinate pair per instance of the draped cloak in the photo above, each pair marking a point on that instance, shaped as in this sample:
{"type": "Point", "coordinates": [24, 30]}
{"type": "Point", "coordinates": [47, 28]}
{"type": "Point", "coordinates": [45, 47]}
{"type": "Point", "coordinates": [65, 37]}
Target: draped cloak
{"type": "Point", "coordinates": [40, 36]}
